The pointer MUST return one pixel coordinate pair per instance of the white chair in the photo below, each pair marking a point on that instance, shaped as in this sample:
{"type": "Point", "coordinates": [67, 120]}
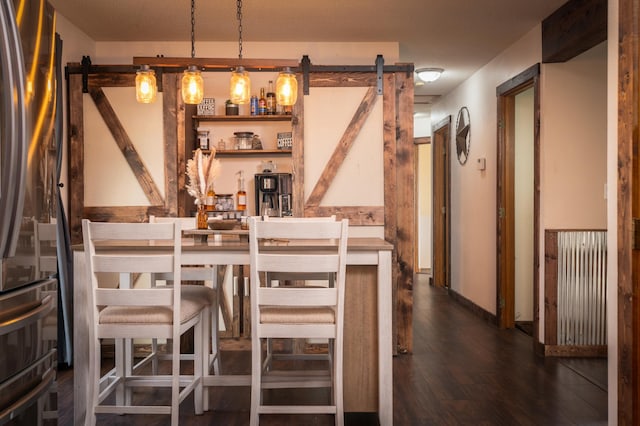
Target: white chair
{"type": "Point", "coordinates": [291, 278]}
{"type": "Point", "coordinates": [297, 312]}
{"type": "Point", "coordinates": [208, 275]}
{"type": "Point", "coordinates": [129, 313]}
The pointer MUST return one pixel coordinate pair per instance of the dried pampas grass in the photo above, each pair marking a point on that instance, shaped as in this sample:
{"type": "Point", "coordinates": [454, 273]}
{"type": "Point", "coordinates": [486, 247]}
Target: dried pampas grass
{"type": "Point", "coordinates": [202, 169]}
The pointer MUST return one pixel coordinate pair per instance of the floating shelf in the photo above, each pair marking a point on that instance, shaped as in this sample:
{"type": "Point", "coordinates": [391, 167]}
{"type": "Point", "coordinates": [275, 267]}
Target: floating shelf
{"type": "Point", "coordinates": [242, 117]}
{"type": "Point", "coordinates": [250, 152]}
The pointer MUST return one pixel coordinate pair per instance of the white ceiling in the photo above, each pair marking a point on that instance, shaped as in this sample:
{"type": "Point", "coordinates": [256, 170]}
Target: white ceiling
{"type": "Point", "coordinates": [457, 35]}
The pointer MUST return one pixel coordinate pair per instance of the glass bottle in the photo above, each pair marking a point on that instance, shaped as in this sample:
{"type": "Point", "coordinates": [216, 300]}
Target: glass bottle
{"type": "Point", "coordinates": [241, 203]}
{"type": "Point", "coordinates": [210, 201]}
{"type": "Point", "coordinates": [262, 103]}
{"type": "Point", "coordinates": [271, 99]}
{"type": "Point", "coordinates": [202, 217]}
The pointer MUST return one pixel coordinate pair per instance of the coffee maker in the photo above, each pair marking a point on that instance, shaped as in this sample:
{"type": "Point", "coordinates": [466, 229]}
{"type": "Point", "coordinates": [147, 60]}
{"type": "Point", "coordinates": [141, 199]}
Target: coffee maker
{"type": "Point", "coordinates": [273, 194]}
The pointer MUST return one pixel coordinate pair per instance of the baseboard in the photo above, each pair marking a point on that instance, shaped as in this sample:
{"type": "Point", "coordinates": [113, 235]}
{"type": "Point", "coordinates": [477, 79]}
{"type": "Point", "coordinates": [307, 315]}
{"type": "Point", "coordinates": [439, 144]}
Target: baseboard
{"type": "Point", "coordinates": [475, 309]}
{"type": "Point", "coordinates": [571, 351]}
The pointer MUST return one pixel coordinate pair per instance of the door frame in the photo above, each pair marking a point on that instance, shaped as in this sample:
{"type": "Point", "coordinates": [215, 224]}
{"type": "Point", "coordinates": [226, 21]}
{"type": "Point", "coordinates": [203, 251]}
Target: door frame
{"type": "Point", "coordinates": [505, 250]}
{"type": "Point", "coordinates": [441, 193]}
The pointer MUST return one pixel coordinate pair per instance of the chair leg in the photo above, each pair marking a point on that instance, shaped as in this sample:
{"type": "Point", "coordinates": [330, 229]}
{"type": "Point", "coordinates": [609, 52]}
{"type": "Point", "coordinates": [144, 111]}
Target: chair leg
{"type": "Point", "coordinates": [256, 380]}
{"type": "Point", "coordinates": [154, 356]}
{"type": "Point", "coordinates": [199, 349]}
{"type": "Point", "coordinates": [94, 372]}
{"type": "Point", "coordinates": [215, 341]}
{"type": "Point", "coordinates": [120, 365]}
{"type": "Point", "coordinates": [338, 383]}
{"type": "Point", "coordinates": [175, 381]}
{"type": "Point", "coordinates": [206, 337]}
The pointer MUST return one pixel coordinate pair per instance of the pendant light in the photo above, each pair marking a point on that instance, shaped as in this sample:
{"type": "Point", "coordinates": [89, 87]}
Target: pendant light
{"type": "Point", "coordinates": [240, 88]}
{"type": "Point", "coordinates": [192, 82]}
{"type": "Point", "coordinates": [286, 87]}
{"type": "Point", "coordinates": [146, 88]}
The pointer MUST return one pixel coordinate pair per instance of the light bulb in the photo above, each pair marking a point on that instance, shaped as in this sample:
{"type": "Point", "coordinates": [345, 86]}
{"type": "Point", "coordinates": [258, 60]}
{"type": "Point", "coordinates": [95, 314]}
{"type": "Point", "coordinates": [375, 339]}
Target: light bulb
{"type": "Point", "coordinates": [286, 88]}
{"type": "Point", "coordinates": [192, 85]}
{"type": "Point", "coordinates": [240, 87]}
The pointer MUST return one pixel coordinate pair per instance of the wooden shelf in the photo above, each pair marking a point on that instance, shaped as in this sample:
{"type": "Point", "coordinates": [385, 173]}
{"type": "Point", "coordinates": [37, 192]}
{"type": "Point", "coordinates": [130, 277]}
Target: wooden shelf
{"type": "Point", "coordinates": [231, 118]}
{"type": "Point", "coordinates": [250, 152]}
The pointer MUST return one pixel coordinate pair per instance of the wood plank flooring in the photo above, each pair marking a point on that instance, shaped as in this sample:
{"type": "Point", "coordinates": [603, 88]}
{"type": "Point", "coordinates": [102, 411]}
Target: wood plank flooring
{"type": "Point", "coordinates": [463, 372]}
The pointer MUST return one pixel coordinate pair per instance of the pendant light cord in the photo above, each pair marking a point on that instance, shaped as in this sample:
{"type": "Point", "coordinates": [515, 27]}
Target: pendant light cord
{"type": "Point", "coordinates": [193, 28]}
{"type": "Point", "coordinates": [239, 16]}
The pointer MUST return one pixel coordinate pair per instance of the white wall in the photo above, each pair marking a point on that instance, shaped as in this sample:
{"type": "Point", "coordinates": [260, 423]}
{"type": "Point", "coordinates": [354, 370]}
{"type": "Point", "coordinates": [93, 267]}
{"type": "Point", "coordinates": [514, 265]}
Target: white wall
{"type": "Point", "coordinates": [574, 149]}
{"type": "Point", "coordinates": [473, 192]}
{"type": "Point", "coordinates": [572, 159]}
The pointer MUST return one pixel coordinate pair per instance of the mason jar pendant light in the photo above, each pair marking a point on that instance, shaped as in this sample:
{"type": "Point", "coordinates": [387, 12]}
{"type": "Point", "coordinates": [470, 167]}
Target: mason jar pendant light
{"type": "Point", "coordinates": [240, 88]}
{"type": "Point", "coordinates": [286, 88]}
{"type": "Point", "coordinates": [192, 82]}
{"type": "Point", "coordinates": [146, 88]}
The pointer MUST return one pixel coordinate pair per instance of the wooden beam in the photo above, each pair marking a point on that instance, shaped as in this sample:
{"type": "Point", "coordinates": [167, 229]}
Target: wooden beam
{"type": "Point", "coordinates": [126, 147]}
{"type": "Point", "coordinates": [628, 207]}
{"type": "Point", "coordinates": [76, 158]}
{"type": "Point", "coordinates": [551, 287]}
{"type": "Point", "coordinates": [343, 147]}
{"type": "Point", "coordinates": [172, 161]}
{"type": "Point", "coordinates": [405, 209]}
{"type": "Point", "coordinates": [574, 28]}
{"type": "Point", "coordinates": [221, 64]}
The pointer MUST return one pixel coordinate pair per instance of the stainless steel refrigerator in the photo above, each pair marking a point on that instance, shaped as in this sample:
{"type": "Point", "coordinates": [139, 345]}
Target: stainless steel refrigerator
{"type": "Point", "coordinates": [29, 299]}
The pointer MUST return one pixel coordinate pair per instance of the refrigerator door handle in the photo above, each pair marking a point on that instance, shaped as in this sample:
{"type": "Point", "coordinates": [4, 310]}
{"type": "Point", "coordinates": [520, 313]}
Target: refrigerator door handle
{"type": "Point", "coordinates": [44, 386]}
{"type": "Point", "coordinates": [40, 312]}
{"type": "Point", "coordinates": [15, 136]}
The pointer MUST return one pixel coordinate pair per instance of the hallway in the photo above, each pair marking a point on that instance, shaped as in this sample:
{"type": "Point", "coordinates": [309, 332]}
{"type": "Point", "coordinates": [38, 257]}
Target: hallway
{"type": "Point", "coordinates": [465, 371]}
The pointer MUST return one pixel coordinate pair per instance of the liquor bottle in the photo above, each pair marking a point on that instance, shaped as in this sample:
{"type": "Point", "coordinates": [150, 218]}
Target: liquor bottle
{"type": "Point", "coordinates": [271, 99]}
{"type": "Point", "coordinates": [262, 103]}
{"type": "Point", "coordinates": [210, 201]}
{"type": "Point", "coordinates": [254, 105]}
{"type": "Point", "coordinates": [241, 203]}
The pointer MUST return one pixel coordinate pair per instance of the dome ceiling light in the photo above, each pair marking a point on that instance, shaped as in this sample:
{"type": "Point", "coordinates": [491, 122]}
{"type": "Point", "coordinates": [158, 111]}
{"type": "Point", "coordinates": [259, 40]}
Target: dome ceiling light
{"type": "Point", "coordinates": [429, 75]}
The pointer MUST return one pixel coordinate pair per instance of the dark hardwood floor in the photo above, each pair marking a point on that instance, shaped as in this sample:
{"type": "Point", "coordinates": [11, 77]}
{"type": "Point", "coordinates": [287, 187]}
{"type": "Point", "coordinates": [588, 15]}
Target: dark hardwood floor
{"type": "Point", "coordinates": [463, 372]}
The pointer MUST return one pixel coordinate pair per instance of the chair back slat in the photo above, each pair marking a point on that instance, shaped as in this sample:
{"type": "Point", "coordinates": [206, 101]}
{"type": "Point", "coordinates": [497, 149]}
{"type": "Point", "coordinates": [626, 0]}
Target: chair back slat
{"type": "Point", "coordinates": [101, 231]}
{"type": "Point", "coordinates": [299, 230]}
{"type": "Point", "coordinates": [133, 263]}
{"type": "Point", "coordinates": [134, 297]}
{"type": "Point", "coordinates": [294, 262]}
{"type": "Point", "coordinates": [297, 296]}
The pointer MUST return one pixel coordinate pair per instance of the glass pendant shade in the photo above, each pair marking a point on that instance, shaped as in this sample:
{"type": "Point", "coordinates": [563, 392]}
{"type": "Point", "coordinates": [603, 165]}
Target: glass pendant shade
{"type": "Point", "coordinates": [146, 88]}
{"type": "Point", "coordinates": [240, 90]}
{"type": "Point", "coordinates": [286, 88]}
{"type": "Point", "coordinates": [192, 86]}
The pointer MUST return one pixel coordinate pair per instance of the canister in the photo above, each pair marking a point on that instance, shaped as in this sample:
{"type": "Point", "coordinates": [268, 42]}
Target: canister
{"type": "Point", "coordinates": [203, 138]}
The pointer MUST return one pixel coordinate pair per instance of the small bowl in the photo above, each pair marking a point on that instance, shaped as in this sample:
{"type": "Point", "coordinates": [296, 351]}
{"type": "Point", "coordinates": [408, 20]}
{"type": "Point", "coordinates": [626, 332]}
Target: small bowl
{"type": "Point", "coordinates": [222, 224]}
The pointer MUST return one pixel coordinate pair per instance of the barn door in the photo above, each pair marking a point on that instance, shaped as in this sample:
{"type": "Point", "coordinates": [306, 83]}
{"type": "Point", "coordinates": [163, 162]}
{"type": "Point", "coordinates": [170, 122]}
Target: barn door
{"type": "Point", "coordinates": [355, 160]}
{"type": "Point", "coordinates": [112, 147]}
